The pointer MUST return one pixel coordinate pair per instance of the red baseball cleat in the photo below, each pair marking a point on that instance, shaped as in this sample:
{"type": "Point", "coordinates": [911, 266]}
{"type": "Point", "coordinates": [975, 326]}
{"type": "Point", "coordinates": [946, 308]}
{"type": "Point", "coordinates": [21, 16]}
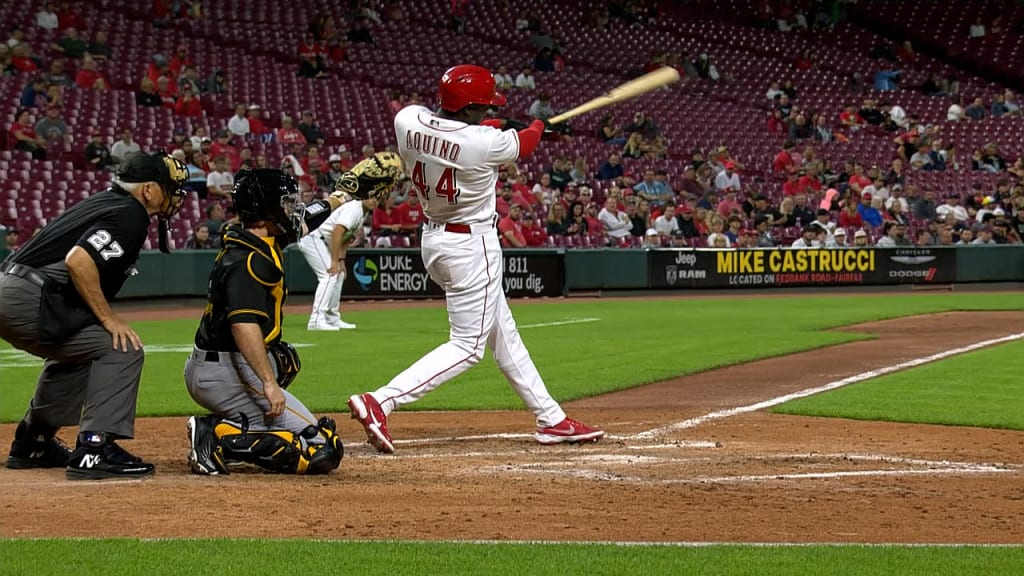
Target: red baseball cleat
{"type": "Point", "coordinates": [568, 431]}
{"type": "Point", "coordinates": [367, 410]}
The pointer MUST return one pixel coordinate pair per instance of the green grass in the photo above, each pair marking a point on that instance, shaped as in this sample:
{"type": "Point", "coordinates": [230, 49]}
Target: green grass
{"type": "Point", "coordinates": [982, 388]}
{"type": "Point", "coordinates": [635, 342]}
{"type": "Point", "coordinates": [219, 558]}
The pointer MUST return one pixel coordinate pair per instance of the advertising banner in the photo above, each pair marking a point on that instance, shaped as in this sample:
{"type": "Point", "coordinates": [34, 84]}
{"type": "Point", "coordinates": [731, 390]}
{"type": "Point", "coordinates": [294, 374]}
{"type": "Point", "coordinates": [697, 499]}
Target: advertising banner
{"type": "Point", "coordinates": [800, 267]}
{"type": "Point", "coordinates": [402, 274]}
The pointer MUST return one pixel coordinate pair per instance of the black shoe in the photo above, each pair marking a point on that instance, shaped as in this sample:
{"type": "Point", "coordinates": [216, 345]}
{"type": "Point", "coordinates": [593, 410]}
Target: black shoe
{"type": "Point", "coordinates": [37, 448]}
{"type": "Point", "coordinates": [97, 457]}
{"type": "Point", "coordinates": [204, 456]}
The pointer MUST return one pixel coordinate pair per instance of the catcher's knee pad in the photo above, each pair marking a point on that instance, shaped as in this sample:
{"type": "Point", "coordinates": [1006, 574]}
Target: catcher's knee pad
{"type": "Point", "coordinates": [281, 450]}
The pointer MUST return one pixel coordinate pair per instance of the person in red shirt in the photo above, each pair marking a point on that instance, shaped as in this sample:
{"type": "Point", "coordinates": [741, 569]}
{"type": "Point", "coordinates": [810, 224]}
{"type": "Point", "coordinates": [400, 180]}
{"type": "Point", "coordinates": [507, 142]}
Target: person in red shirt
{"type": "Point", "coordinates": [858, 180]}
{"type": "Point", "coordinates": [511, 229]}
{"type": "Point", "coordinates": [223, 147]}
{"type": "Point", "coordinates": [850, 119]}
{"type": "Point", "coordinates": [165, 89]}
{"type": "Point", "coordinates": [850, 216]}
{"type": "Point", "coordinates": [288, 134]}
{"type": "Point", "coordinates": [534, 233]}
{"type": "Point", "coordinates": [23, 135]}
{"type": "Point", "coordinates": [179, 60]}
{"type": "Point", "coordinates": [68, 18]}
{"type": "Point", "coordinates": [509, 197]}
{"type": "Point", "coordinates": [411, 214]}
{"type": "Point", "coordinates": [809, 182]}
{"type": "Point", "coordinates": [387, 221]}
{"type": "Point", "coordinates": [188, 104]}
{"type": "Point", "coordinates": [89, 77]}
{"type": "Point", "coordinates": [784, 160]}
{"type": "Point", "coordinates": [257, 128]}
{"type": "Point", "coordinates": [21, 58]}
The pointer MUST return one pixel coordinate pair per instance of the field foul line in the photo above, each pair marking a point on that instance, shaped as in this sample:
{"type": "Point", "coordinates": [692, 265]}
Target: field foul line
{"type": "Point", "coordinates": [694, 422]}
{"type": "Point", "coordinates": [561, 323]}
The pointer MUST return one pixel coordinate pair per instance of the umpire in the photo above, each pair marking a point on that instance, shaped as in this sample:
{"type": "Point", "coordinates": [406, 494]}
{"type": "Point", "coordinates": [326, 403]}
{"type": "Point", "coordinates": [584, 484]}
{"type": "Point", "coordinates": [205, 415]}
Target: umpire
{"type": "Point", "coordinates": [56, 293]}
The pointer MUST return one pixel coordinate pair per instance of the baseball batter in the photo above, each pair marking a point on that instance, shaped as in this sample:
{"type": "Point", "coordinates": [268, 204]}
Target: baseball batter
{"type": "Point", "coordinates": [324, 249]}
{"type": "Point", "coordinates": [452, 158]}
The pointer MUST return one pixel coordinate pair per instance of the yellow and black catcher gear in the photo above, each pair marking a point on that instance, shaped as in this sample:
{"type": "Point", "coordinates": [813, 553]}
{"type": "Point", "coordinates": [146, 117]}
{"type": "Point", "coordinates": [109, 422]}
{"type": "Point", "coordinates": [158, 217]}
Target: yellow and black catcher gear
{"type": "Point", "coordinates": [374, 177]}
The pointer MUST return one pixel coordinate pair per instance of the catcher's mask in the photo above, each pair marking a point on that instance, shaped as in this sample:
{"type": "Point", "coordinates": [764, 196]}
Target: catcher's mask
{"type": "Point", "coordinates": [169, 173]}
{"type": "Point", "coordinates": [270, 196]}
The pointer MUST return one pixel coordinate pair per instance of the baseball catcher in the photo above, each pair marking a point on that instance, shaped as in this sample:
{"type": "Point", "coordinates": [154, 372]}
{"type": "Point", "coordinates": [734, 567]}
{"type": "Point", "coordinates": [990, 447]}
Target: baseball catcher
{"type": "Point", "coordinates": [324, 248]}
{"type": "Point", "coordinates": [240, 366]}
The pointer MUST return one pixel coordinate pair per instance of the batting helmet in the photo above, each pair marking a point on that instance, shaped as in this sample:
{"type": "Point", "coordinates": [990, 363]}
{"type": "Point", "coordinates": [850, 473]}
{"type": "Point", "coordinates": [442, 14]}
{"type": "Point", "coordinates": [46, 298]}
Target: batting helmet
{"type": "Point", "coordinates": [468, 84]}
{"type": "Point", "coordinates": [267, 195]}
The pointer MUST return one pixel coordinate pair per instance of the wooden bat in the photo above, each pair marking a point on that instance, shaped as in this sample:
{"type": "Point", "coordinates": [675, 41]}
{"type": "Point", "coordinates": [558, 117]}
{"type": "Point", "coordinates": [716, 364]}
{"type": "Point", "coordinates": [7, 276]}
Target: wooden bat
{"type": "Point", "coordinates": [656, 79]}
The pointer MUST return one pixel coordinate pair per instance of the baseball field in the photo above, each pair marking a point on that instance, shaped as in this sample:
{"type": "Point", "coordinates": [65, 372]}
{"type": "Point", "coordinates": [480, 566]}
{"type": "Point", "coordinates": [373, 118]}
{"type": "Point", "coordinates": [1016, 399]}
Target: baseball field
{"type": "Point", "coordinates": [793, 434]}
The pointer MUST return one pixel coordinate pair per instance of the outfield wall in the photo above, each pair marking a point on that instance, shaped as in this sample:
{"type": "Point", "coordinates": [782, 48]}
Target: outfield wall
{"type": "Point", "coordinates": [399, 273]}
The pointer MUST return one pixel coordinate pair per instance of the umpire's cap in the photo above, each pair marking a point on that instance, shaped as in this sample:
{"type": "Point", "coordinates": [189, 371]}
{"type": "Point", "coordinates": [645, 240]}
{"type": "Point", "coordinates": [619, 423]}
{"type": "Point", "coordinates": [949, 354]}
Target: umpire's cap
{"type": "Point", "coordinates": [167, 171]}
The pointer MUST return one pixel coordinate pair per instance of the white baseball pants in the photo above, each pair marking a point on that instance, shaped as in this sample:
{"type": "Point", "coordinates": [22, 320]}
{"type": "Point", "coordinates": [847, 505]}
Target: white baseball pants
{"type": "Point", "coordinates": [469, 269]}
{"type": "Point", "coordinates": [328, 288]}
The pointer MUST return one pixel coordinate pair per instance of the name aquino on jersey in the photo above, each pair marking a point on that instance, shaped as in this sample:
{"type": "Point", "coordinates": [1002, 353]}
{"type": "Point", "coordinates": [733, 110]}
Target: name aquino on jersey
{"type": "Point", "coordinates": [432, 145]}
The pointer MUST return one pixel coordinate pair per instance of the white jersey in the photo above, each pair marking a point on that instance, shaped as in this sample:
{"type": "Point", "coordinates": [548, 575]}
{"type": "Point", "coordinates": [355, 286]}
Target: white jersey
{"type": "Point", "coordinates": [350, 215]}
{"type": "Point", "coordinates": [453, 165]}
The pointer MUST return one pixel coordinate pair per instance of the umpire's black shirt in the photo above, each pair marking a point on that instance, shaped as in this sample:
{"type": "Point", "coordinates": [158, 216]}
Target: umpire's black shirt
{"type": "Point", "coordinates": [110, 226]}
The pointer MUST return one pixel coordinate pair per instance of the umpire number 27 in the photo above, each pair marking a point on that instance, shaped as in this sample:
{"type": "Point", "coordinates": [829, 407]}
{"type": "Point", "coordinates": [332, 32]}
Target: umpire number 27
{"type": "Point", "coordinates": [105, 245]}
{"type": "Point", "coordinates": [446, 186]}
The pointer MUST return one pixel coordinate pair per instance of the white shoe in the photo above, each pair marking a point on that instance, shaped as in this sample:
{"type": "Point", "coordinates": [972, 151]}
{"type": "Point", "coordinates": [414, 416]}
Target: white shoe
{"type": "Point", "coordinates": [322, 327]}
{"type": "Point", "coordinates": [342, 325]}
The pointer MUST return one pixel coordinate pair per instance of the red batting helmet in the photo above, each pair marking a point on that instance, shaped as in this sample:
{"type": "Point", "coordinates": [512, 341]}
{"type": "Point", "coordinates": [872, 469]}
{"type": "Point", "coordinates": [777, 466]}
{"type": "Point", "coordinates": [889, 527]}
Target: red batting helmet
{"type": "Point", "coordinates": [467, 84]}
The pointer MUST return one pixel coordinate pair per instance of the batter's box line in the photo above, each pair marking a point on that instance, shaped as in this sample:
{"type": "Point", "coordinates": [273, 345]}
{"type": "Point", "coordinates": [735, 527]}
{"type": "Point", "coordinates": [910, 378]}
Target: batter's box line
{"type": "Point", "coordinates": [520, 436]}
{"type": "Point", "coordinates": [694, 422]}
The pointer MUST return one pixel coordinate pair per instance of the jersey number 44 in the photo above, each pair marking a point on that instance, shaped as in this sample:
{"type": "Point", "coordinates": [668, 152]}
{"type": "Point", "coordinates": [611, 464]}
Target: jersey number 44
{"type": "Point", "coordinates": [446, 186]}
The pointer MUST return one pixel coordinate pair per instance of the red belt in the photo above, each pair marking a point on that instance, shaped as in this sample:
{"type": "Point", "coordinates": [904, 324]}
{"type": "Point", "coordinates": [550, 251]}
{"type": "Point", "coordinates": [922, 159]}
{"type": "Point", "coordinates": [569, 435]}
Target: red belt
{"type": "Point", "coordinates": [458, 228]}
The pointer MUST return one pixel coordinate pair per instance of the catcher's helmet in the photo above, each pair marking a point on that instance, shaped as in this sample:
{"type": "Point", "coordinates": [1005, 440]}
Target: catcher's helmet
{"type": "Point", "coordinates": [468, 84]}
{"type": "Point", "coordinates": [267, 195]}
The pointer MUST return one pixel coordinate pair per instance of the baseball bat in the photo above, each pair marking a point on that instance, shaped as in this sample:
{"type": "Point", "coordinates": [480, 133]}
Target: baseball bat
{"type": "Point", "coordinates": [655, 79]}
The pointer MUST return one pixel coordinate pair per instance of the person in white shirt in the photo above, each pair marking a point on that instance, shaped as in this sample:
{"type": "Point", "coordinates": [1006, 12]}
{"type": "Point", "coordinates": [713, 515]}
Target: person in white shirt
{"type": "Point", "coordinates": [239, 123]}
{"type": "Point", "coordinates": [897, 198]}
{"type": "Point", "coordinates": [956, 112]}
{"type": "Point", "coordinates": [977, 29]}
{"type": "Point", "coordinates": [616, 223]}
{"type": "Point", "coordinates": [47, 17]}
{"type": "Point", "coordinates": [667, 224]}
{"type": "Point", "coordinates": [922, 159]}
{"type": "Point", "coordinates": [123, 147]}
{"type": "Point", "coordinates": [988, 206]}
{"type": "Point", "coordinates": [503, 80]}
{"type": "Point", "coordinates": [898, 116]}
{"type": "Point", "coordinates": [877, 189]}
{"type": "Point", "coordinates": [525, 80]}
{"type": "Point", "coordinates": [773, 91]}
{"type": "Point", "coordinates": [952, 208]}
{"type": "Point", "coordinates": [220, 181]}
{"type": "Point", "coordinates": [838, 239]}
{"type": "Point", "coordinates": [809, 238]}
{"type": "Point", "coordinates": [541, 108]}
{"type": "Point", "coordinates": [727, 179]}
{"type": "Point", "coordinates": [718, 240]}
{"type": "Point", "coordinates": [324, 250]}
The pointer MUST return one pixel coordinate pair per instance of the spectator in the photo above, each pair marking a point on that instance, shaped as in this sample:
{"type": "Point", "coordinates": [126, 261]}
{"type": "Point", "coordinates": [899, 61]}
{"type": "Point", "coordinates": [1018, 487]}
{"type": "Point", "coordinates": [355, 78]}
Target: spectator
{"type": "Point", "coordinates": [288, 135]}
{"type": "Point", "coordinates": [783, 161]}
{"type": "Point", "coordinates": [955, 112]}
{"type": "Point", "coordinates": [24, 137]}
{"type": "Point", "coordinates": [924, 208]}
{"type": "Point", "coordinates": [560, 173]}
{"type": "Point", "coordinates": [57, 75]}
{"type": "Point", "coordinates": [179, 61]}
{"type": "Point", "coordinates": [124, 147]}
{"type": "Point", "coordinates": [167, 92]}
{"type": "Point", "coordinates": [838, 239]}
{"type": "Point", "coordinates": [411, 214]}
{"type": "Point", "coordinates": [200, 239]}
{"type": "Point", "coordinates": [577, 223]}
{"type": "Point", "coordinates": [808, 238]}
{"type": "Point", "coordinates": [239, 123]}
{"type": "Point", "coordinates": [502, 79]}
{"type": "Point", "coordinates": [310, 131]}
{"type": "Point", "coordinates": [217, 83]}
{"type": "Point", "coordinates": [7, 69]}
{"type": "Point", "coordinates": [97, 154]}
{"type": "Point", "coordinates": [541, 107]}
{"type": "Point", "coordinates": [220, 181]}
{"type": "Point", "coordinates": [525, 81]}
{"type": "Point", "coordinates": [728, 179]}
{"type": "Point", "coordinates": [544, 61]}
{"type": "Point", "coordinates": [887, 80]}
{"type": "Point", "coordinates": [88, 77]}
{"type": "Point", "coordinates": [558, 222]}
{"type": "Point", "coordinates": [976, 111]}
{"type": "Point", "coordinates": [706, 67]}
{"type": "Point", "coordinates": [367, 150]}
{"type": "Point", "coordinates": [860, 239]}
{"type": "Point", "coordinates": [633, 147]}
{"type": "Point", "coordinates": [188, 104]}
{"type": "Point", "coordinates": [869, 214]}
{"type": "Point", "coordinates": [615, 223]}
{"type": "Point", "coordinates": [534, 234]}
{"type": "Point", "coordinates": [22, 59]}
{"type": "Point", "coordinates": [99, 48]}
{"type": "Point", "coordinates": [360, 32]}
{"type": "Point", "coordinates": [70, 45]}
{"type": "Point", "coordinates": [215, 218]}
{"type": "Point", "coordinates": [52, 128]}
{"type": "Point", "coordinates": [47, 18]}
{"type": "Point", "coordinates": [984, 235]}
{"type": "Point", "coordinates": [667, 225]}
{"type": "Point", "coordinates": [952, 208]}
{"type": "Point", "coordinates": [851, 120]}
{"type": "Point", "coordinates": [611, 168]}
{"type": "Point", "coordinates": [654, 191]}
{"type": "Point", "coordinates": [610, 132]}
{"type": "Point", "coordinates": [34, 94]}
{"type": "Point", "coordinates": [510, 228]}
{"type": "Point", "coordinates": [146, 95]}
{"type": "Point", "coordinates": [871, 114]}
{"type": "Point", "coordinates": [1010, 103]}
{"type": "Point", "coordinates": [190, 77]}
{"type": "Point", "coordinates": [850, 216]}
{"type": "Point", "coordinates": [387, 222]}
{"type": "Point", "coordinates": [977, 30]}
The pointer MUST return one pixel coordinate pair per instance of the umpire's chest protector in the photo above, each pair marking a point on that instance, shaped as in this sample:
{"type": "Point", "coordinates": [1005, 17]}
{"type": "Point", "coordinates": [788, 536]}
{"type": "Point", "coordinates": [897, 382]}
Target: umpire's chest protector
{"type": "Point", "coordinates": [246, 285]}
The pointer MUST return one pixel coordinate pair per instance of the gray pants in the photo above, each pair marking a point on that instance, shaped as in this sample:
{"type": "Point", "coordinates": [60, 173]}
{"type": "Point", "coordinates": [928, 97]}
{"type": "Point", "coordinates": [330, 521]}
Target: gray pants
{"type": "Point", "coordinates": [85, 381]}
{"type": "Point", "coordinates": [225, 384]}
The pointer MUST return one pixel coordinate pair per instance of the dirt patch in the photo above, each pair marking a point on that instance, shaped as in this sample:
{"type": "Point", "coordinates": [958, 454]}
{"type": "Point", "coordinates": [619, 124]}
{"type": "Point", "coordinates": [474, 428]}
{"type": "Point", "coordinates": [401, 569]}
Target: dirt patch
{"type": "Point", "coordinates": [752, 477]}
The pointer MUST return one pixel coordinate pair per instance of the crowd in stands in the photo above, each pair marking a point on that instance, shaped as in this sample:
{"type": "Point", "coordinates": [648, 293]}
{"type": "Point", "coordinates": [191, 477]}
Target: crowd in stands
{"type": "Point", "coordinates": [703, 198]}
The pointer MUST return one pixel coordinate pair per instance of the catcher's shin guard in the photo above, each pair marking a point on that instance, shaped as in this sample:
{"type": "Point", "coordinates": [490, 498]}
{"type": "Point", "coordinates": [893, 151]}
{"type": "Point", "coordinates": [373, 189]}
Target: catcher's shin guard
{"type": "Point", "coordinates": [281, 450]}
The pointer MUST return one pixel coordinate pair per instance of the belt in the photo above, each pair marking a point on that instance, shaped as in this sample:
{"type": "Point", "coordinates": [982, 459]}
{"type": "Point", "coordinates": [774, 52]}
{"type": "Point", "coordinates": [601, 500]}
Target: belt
{"type": "Point", "coordinates": [21, 271]}
{"type": "Point", "coordinates": [208, 355]}
{"type": "Point", "coordinates": [460, 228]}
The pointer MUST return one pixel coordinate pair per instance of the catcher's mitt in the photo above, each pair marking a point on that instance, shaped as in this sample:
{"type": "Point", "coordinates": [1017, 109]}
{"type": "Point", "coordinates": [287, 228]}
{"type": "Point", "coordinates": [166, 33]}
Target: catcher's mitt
{"type": "Point", "coordinates": [374, 177]}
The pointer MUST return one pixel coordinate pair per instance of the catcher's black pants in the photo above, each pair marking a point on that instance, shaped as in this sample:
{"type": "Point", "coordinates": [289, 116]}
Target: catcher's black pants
{"type": "Point", "coordinates": [85, 381]}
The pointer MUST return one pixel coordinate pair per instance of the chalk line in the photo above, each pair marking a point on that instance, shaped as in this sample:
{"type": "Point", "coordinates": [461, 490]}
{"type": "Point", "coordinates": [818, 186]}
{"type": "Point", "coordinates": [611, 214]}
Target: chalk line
{"type": "Point", "coordinates": [561, 323]}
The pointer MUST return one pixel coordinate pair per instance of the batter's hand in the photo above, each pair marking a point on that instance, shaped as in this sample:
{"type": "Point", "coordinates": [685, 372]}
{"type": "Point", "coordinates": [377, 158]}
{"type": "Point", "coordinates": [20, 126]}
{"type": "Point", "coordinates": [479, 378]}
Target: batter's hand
{"type": "Point", "coordinates": [275, 396]}
{"type": "Point", "coordinates": [122, 334]}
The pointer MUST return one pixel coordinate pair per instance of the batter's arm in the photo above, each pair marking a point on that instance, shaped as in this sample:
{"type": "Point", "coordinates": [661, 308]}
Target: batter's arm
{"type": "Point", "coordinates": [249, 340]}
{"type": "Point", "coordinates": [338, 249]}
{"type": "Point", "coordinates": [86, 278]}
